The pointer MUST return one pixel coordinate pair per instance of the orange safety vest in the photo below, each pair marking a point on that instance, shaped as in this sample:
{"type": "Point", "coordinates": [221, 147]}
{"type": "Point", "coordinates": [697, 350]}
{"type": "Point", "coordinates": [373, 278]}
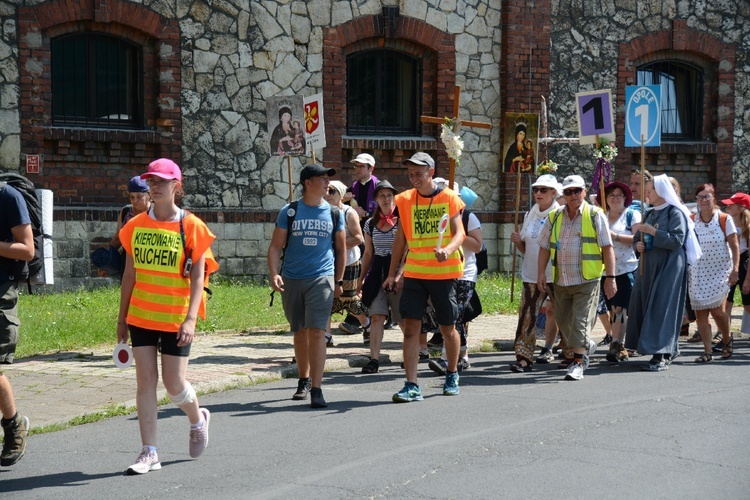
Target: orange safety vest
{"type": "Point", "coordinates": [161, 295]}
{"type": "Point", "coordinates": [419, 218]}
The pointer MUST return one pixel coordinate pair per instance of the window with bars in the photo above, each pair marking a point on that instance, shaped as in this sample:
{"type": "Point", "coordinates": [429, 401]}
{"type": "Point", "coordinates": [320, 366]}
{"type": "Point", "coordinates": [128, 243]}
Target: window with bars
{"type": "Point", "coordinates": [383, 96]}
{"type": "Point", "coordinates": [681, 97]}
{"type": "Point", "coordinates": [97, 80]}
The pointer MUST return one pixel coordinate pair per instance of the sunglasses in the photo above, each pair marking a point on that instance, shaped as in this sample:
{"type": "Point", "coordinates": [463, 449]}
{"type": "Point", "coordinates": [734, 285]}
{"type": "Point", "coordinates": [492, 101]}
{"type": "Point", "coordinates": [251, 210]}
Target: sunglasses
{"type": "Point", "coordinates": [572, 191]}
{"type": "Point", "coordinates": [542, 190]}
{"type": "Point", "coordinates": [332, 191]}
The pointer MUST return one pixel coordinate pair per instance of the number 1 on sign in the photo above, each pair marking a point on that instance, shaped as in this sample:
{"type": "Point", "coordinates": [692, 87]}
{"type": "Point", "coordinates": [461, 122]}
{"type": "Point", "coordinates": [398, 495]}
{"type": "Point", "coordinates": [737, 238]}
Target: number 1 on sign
{"type": "Point", "coordinates": [596, 105]}
{"type": "Point", "coordinates": [642, 113]}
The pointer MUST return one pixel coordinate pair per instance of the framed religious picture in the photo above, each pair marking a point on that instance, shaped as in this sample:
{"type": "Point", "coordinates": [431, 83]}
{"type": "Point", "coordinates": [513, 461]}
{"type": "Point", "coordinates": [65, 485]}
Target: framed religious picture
{"type": "Point", "coordinates": [520, 142]}
{"type": "Point", "coordinates": [286, 118]}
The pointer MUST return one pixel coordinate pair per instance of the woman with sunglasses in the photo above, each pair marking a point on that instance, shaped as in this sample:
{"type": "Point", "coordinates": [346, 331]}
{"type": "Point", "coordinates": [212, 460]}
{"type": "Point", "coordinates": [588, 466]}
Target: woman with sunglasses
{"type": "Point", "coordinates": [168, 257]}
{"type": "Point", "coordinates": [623, 224]}
{"type": "Point", "coordinates": [709, 280]}
{"type": "Point", "coordinates": [545, 191]}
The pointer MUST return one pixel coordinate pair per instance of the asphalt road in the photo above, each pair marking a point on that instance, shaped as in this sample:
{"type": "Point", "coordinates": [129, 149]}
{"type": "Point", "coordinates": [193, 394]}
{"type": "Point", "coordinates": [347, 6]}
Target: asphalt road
{"type": "Point", "coordinates": [619, 433]}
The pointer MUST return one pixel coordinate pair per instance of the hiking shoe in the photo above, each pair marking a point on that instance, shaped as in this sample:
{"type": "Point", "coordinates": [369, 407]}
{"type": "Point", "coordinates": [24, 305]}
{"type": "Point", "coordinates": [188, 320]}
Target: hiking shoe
{"type": "Point", "coordinates": [199, 436]}
{"type": "Point", "coordinates": [617, 353]}
{"type": "Point", "coordinates": [146, 461]}
{"type": "Point", "coordinates": [436, 340]}
{"type": "Point", "coordinates": [463, 364]}
{"type": "Point", "coordinates": [316, 398]}
{"type": "Point", "coordinates": [349, 328]}
{"type": "Point", "coordinates": [14, 443]}
{"type": "Point", "coordinates": [371, 367]}
{"type": "Point", "coordinates": [450, 388]}
{"type": "Point", "coordinates": [545, 356]}
{"type": "Point", "coordinates": [606, 340]}
{"type": "Point", "coordinates": [303, 387]}
{"type": "Point", "coordinates": [390, 325]}
{"type": "Point", "coordinates": [575, 371]}
{"type": "Point", "coordinates": [410, 392]}
{"type": "Point", "coordinates": [424, 356]}
{"type": "Point", "coordinates": [438, 365]}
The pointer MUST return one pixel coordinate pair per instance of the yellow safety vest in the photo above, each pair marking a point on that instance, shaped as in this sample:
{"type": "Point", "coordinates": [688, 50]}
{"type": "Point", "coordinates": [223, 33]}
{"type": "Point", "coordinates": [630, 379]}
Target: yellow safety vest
{"type": "Point", "coordinates": [592, 264]}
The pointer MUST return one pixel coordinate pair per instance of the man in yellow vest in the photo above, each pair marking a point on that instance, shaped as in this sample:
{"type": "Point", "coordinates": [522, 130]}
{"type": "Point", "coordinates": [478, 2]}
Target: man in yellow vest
{"type": "Point", "coordinates": [433, 263]}
{"type": "Point", "coordinates": [576, 237]}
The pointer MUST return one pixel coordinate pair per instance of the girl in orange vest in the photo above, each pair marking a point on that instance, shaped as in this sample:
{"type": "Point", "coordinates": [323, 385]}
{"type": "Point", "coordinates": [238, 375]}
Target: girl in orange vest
{"type": "Point", "coordinates": [168, 259]}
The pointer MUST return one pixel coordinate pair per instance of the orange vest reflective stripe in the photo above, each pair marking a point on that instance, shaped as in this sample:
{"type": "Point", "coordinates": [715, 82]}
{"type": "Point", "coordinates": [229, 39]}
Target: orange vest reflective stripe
{"type": "Point", "coordinates": [419, 218]}
{"type": "Point", "coordinates": [161, 295]}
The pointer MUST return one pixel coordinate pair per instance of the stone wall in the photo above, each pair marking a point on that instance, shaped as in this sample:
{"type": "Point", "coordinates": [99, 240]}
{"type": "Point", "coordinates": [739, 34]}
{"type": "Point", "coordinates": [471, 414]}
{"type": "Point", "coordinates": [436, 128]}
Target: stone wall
{"type": "Point", "coordinates": [590, 41]}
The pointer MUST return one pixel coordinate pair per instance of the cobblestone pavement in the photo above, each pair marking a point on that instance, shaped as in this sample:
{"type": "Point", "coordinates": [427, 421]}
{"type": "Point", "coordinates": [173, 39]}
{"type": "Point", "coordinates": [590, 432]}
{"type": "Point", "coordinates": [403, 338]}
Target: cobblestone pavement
{"type": "Point", "coordinates": [56, 388]}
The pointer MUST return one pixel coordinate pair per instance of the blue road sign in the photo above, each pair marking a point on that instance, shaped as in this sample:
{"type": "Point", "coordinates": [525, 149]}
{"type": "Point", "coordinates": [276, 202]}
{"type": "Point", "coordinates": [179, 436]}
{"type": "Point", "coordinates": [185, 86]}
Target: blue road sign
{"type": "Point", "coordinates": [642, 115]}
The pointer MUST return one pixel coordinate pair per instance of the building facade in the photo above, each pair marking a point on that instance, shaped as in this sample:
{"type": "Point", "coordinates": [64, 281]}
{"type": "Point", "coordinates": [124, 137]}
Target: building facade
{"type": "Point", "coordinates": [99, 88]}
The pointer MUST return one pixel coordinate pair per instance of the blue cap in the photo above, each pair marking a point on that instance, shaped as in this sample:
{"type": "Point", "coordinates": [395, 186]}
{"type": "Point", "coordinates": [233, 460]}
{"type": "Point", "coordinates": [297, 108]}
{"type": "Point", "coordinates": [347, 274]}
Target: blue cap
{"type": "Point", "coordinates": [137, 185]}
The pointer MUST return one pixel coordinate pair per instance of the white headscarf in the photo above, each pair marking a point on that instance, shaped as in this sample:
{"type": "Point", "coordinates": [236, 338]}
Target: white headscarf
{"type": "Point", "coordinates": [664, 189]}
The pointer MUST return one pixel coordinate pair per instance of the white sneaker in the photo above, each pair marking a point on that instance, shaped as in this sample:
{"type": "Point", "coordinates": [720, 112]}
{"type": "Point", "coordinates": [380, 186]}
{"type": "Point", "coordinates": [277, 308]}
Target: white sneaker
{"type": "Point", "coordinates": [586, 361]}
{"type": "Point", "coordinates": [146, 461]}
{"type": "Point", "coordinates": [199, 436]}
{"type": "Point", "coordinates": [575, 371]}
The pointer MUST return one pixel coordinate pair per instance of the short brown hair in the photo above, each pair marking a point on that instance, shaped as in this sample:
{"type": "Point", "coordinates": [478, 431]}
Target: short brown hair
{"type": "Point", "coordinates": [705, 187]}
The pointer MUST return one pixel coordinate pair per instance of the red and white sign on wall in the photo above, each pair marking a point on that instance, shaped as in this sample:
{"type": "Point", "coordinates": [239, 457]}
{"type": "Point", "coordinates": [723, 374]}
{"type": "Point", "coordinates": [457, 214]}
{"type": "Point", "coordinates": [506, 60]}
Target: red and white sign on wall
{"type": "Point", "coordinates": [32, 164]}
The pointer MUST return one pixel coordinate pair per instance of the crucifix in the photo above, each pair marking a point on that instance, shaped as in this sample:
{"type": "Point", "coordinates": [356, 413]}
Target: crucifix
{"type": "Point", "coordinates": [439, 121]}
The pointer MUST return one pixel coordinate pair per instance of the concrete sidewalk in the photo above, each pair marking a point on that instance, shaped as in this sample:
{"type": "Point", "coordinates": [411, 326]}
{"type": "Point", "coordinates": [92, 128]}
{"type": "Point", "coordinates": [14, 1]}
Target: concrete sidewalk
{"type": "Point", "coordinates": [56, 388]}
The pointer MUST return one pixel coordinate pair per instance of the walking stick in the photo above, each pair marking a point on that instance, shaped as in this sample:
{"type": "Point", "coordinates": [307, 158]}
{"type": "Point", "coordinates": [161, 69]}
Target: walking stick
{"type": "Point", "coordinates": [643, 200]}
{"type": "Point", "coordinates": [515, 226]}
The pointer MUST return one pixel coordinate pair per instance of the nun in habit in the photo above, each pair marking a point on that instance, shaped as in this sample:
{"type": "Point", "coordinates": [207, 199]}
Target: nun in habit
{"type": "Point", "coordinates": [667, 245]}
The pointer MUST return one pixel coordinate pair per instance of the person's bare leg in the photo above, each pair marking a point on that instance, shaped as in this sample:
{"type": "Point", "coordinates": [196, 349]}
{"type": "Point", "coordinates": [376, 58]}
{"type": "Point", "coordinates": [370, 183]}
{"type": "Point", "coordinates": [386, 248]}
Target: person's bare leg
{"type": "Point", "coordinates": [316, 348]}
{"type": "Point", "coordinates": [301, 353]}
{"type": "Point", "coordinates": [452, 343]}
{"type": "Point", "coordinates": [7, 402]}
{"type": "Point", "coordinates": [377, 329]}
{"type": "Point", "coordinates": [412, 328]}
{"type": "Point", "coordinates": [173, 371]}
{"type": "Point", "coordinates": [147, 377]}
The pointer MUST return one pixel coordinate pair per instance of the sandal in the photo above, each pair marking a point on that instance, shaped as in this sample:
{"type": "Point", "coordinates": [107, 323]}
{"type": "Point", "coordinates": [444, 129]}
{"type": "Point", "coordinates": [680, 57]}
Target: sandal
{"type": "Point", "coordinates": [706, 357]}
{"type": "Point", "coordinates": [728, 349]}
{"type": "Point", "coordinates": [372, 367]}
{"type": "Point", "coordinates": [521, 366]}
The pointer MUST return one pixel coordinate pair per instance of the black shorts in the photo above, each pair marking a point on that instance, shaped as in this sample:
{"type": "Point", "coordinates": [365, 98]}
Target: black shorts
{"type": "Point", "coordinates": [442, 294]}
{"type": "Point", "coordinates": [165, 341]}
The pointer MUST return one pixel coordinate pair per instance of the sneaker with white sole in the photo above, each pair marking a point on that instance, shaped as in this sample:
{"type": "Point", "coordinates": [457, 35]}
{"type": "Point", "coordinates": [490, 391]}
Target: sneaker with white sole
{"type": "Point", "coordinates": [450, 388]}
{"type": "Point", "coordinates": [410, 392]}
{"type": "Point", "coordinates": [545, 356]}
{"type": "Point", "coordinates": [199, 436]}
{"type": "Point", "coordinates": [575, 371]}
{"type": "Point", "coordinates": [146, 461]}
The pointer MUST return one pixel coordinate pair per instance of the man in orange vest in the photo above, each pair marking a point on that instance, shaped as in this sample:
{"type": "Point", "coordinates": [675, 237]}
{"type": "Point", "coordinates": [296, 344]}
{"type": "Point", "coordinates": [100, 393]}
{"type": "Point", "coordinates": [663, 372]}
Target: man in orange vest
{"type": "Point", "coordinates": [433, 263]}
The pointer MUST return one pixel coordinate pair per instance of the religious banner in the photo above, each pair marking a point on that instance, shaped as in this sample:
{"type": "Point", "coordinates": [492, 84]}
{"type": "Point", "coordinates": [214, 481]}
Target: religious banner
{"type": "Point", "coordinates": [520, 142]}
{"type": "Point", "coordinates": [285, 116]}
{"type": "Point", "coordinates": [315, 128]}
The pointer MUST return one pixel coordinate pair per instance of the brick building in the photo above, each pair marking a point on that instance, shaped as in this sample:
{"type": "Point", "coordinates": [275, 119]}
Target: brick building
{"type": "Point", "coordinates": [99, 88]}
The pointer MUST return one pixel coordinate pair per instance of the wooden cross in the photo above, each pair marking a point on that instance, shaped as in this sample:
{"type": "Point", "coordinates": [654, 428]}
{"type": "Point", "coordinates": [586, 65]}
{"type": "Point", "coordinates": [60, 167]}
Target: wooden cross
{"type": "Point", "coordinates": [441, 120]}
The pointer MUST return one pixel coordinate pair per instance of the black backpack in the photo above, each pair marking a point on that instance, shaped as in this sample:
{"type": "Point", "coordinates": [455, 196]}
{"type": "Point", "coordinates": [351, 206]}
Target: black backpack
{"type": "Point", "coordinates": [24, 186]}
{"type": "Point", "coordinates": [481, 256]}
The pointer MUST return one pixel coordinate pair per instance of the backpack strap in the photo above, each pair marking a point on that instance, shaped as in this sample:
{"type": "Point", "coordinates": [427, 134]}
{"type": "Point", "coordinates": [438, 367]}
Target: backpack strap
{"type": "Point", "coordinates": [723, 223]}
{"type": "Point", "coordinates": [629, 219]}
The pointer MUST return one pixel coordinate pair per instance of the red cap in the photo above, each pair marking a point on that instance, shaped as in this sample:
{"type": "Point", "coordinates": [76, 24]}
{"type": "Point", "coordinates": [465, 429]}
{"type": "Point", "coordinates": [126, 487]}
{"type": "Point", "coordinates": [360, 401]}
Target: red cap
{"type": "Point", "coordinates": [164, 168]}
{"type": "Point", "coordinates": [738, 199]}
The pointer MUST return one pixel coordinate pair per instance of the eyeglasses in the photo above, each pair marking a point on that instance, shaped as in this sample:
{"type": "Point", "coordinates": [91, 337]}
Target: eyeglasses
{"type": "Point", "coordinates": [157, 181]}
{"type": "Point", "coordinates": [615, 195]}
{"type": "Point", "coordinates": [332, 191]}
{"type": "Point", "coordinates": [702, 197]}
{"type": "Point", "coordinates": [572, 191]}
{"type": "Point", "coordinates": [542, 190]}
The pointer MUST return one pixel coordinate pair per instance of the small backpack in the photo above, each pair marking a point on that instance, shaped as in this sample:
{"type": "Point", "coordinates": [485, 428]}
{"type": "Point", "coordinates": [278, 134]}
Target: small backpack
{"type": "Point", "coordinates": [24, 186]}
{"type": "Point", "coordinates": [481, 256]}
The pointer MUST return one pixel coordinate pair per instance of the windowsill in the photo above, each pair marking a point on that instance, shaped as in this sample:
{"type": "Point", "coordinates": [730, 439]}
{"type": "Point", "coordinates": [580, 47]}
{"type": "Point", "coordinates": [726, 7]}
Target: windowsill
{"type": "Point", "coordinates": [389, 142]}
{"type": "Point", "coordinates": [76, 134]}
{"type": "Point", "coordinates": [694, 147]}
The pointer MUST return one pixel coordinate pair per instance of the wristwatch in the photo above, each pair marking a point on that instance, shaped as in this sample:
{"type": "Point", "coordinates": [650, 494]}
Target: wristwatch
{"type": "Point", "coordinates": [340, 282]}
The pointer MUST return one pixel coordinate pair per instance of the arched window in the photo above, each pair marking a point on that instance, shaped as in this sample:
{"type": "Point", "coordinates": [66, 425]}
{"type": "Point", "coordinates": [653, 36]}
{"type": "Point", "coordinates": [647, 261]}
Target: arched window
{"type": "Point", "coordinates": [383, 95]}
{"type": "Point", "coordinates": [97, 80]}
{"type": "Point", "coordinates": [681, 97]}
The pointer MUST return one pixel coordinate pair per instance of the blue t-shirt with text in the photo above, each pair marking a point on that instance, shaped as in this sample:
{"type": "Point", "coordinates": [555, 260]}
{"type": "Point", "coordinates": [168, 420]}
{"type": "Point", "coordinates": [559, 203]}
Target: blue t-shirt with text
{"type": "Point", "coordinates": [309, 253]}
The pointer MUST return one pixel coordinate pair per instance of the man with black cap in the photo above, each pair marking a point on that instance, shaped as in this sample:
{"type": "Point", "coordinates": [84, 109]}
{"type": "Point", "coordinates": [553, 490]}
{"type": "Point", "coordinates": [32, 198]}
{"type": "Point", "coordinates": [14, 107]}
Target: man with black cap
{"type": "Point", "coordinates": [311, 234]}
{"type": "Point", "coordinates": [430, 227]}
